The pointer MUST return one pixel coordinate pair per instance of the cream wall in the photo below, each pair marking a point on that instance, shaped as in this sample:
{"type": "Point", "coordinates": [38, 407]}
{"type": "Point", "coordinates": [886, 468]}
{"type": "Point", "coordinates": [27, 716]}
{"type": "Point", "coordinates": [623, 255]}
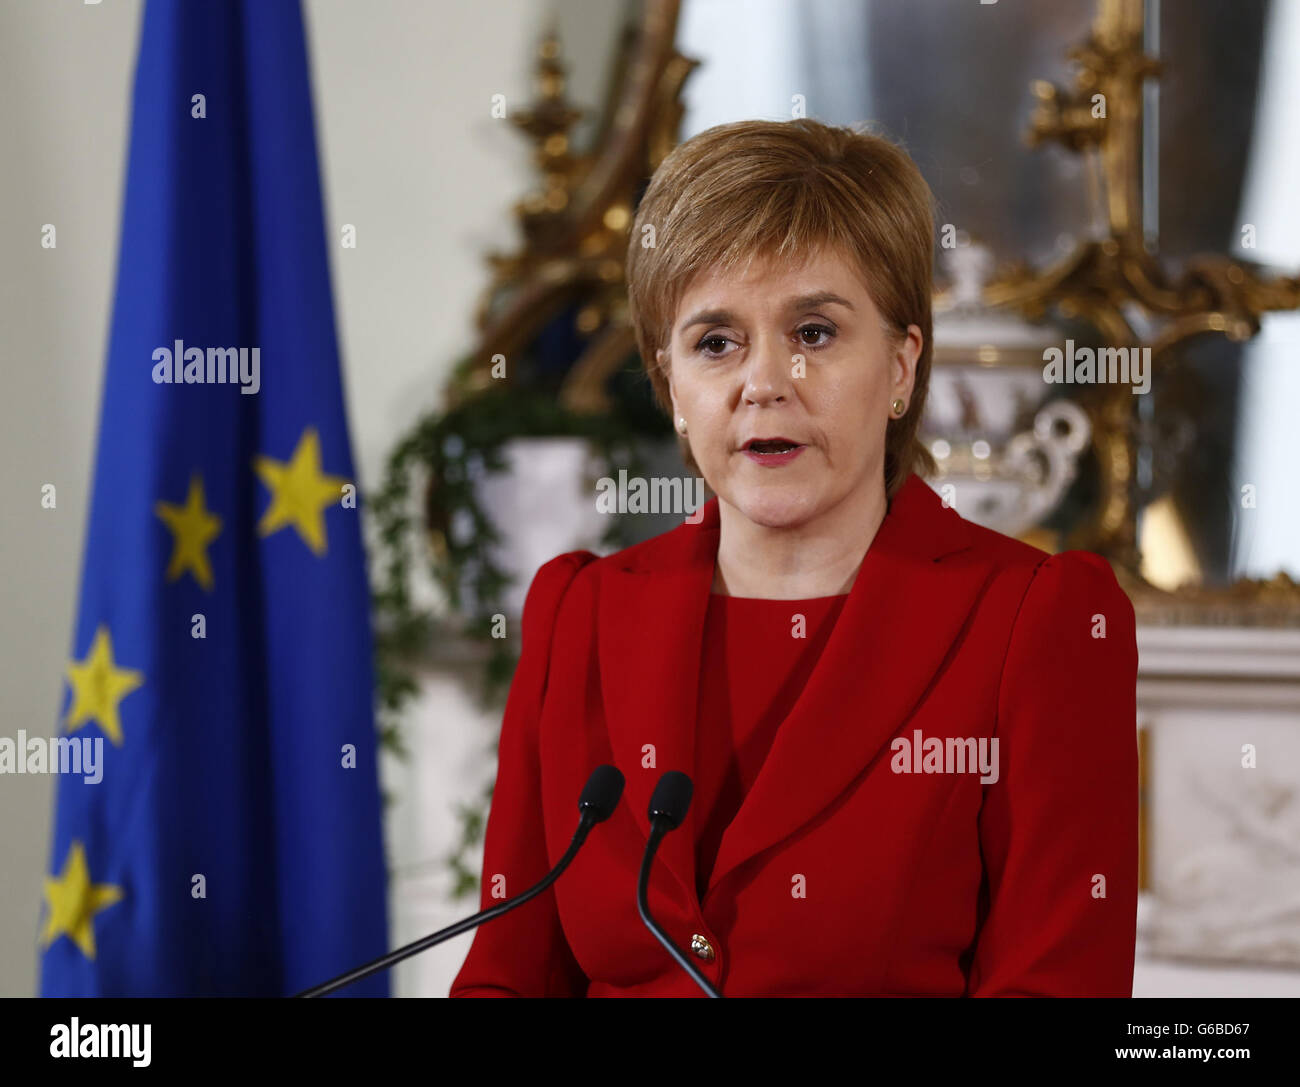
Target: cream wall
{"type": "Point", "coordinates": [411, 157]}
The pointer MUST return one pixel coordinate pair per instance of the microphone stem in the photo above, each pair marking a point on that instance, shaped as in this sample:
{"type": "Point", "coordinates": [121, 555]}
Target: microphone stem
{"type": "Point", "coordinates": [643, 906]}
{"type": "Point", "coordinates": [447, 933]}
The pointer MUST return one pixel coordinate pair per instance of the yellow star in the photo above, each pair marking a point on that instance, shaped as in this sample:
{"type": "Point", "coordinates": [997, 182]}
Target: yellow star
{"type": "Point", "coordinates": [299, 492]}
{"type": "Point", "coordinates": [74, 901]}
{"type": "Point", "coordinates": [194, 527]}
{"type": "Point", "coordinates": [98, 685]}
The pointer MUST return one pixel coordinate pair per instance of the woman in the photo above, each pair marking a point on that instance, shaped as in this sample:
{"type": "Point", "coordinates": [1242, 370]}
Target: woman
{"type": "Point", "coordinates": [912, 739]}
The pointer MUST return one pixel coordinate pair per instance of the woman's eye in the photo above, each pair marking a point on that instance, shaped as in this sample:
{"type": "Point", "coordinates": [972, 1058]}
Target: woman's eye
{"type": "Point", "coordinates": [814, 331]}
{"type": "Point", "coordinates": [715, 346]}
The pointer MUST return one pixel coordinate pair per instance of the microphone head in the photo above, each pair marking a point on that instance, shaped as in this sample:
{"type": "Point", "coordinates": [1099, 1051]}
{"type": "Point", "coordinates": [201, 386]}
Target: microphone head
{"type": "Point", "coordinates": [601, 794]}
{"type": "Point", "coordinates": [672, 799]}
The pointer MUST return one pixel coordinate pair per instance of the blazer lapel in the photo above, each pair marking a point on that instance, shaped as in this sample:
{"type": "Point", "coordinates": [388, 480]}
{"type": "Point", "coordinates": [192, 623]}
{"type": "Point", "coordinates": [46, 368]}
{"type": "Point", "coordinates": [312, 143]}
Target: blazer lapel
{"type": "Point", "coordinates": [651, 634]}
{"type": "Point", "coordinates": [901, 618]}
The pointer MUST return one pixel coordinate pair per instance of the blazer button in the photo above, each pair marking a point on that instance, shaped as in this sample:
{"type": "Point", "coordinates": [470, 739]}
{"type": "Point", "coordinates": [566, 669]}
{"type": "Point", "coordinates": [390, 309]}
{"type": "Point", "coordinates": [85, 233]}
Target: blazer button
{"type": "Point", "coordinates": [702, 948]}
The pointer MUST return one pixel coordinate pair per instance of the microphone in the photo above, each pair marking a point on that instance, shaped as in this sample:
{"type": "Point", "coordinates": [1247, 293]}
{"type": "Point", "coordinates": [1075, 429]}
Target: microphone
{"type": "Point", "coordinates": [599, 798]}
{"type": "Point", "coordinates": [668, 807]}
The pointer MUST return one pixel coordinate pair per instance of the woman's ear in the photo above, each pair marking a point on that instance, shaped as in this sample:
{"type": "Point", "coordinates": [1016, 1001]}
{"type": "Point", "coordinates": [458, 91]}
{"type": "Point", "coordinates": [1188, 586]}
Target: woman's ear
{"type": "Point", "coordinates": [906, 356]}
{"type": "Point", "coordinates": [661, 357]}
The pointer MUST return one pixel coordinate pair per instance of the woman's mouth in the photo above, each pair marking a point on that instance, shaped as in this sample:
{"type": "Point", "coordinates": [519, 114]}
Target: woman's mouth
{"type": "Point", "coordinates": [772, 451]}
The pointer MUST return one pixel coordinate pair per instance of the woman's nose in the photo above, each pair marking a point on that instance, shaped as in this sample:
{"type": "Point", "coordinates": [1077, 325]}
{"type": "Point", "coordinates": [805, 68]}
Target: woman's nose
{"type": "Point", "coordinates": [769, 370]}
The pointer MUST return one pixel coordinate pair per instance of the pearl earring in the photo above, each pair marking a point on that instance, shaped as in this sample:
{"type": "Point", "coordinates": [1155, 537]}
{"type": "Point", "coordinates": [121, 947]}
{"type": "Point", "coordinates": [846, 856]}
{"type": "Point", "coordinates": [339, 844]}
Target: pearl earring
{"type": "Point", "coordinates": [681, 425]}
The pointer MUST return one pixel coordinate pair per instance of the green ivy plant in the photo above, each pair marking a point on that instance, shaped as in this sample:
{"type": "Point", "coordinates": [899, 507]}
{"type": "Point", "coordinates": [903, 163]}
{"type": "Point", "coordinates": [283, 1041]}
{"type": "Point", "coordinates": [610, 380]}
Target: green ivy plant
{"type": "Point", "coordinates": [451, 534]}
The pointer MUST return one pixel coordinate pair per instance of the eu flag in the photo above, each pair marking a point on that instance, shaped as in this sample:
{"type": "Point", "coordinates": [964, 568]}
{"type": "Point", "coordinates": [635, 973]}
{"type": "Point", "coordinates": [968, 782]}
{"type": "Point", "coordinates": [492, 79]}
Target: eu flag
{"type": "Point", "coordinates": [222, 654]}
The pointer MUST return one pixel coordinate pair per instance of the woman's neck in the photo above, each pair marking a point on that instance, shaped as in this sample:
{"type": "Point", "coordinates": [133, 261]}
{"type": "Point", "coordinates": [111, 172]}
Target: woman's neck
{"type": "Point", "coordinates": [818, 558]}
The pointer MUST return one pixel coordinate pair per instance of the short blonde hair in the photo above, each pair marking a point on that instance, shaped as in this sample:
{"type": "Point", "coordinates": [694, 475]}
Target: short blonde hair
{"type": "Point", "coordinates": [786, 189]}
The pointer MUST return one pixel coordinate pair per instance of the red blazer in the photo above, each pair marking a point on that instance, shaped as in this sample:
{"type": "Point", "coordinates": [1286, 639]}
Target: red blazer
{"type": "Point", "coordinates": [841, 875]}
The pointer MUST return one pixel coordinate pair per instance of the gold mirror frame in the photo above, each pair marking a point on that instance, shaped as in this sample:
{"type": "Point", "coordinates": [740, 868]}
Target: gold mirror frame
{"type": "Point", "coordinates": [575, 228]}
{"type": "Point", "coordinates": [575, 237]}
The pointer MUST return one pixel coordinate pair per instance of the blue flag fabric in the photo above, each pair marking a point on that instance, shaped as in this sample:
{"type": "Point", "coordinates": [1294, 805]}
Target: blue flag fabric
{"type": "Point", "coordinates": [222, 655]}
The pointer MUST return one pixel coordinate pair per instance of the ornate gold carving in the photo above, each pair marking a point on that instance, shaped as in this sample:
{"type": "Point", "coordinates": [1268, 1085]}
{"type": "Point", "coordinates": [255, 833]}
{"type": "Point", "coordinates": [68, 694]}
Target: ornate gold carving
{"type": "Point", "coordinates": [1248, 602]}
{"type": "Point", "coordinates": [576, 227]}
{"type": "Point", "coordinates": [575, 236]}
{"type": "Point", "coordinates": [1101, 281]}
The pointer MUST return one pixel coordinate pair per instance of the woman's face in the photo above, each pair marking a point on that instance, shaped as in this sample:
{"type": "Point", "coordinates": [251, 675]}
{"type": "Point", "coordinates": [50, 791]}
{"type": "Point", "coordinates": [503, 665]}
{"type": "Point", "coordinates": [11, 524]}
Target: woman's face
{"type": "Point", "coordinates": [799, 354]}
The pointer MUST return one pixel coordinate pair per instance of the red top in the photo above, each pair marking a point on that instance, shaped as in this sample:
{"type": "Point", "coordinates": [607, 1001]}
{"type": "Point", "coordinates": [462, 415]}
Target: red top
{"type": "Point", "coordinates": [756, 658]}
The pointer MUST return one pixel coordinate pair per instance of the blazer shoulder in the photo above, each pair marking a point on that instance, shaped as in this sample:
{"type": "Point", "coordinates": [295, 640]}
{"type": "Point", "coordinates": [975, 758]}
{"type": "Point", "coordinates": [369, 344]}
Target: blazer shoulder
{"type": "Point", "coordinates": [1073, 574]}
{"type": "Point", "coordinates": [549, 585]}
{"type": "Point", "coordinates": [1004, 552]}
{"type": "Point", "coordinates": [1080, 576]}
